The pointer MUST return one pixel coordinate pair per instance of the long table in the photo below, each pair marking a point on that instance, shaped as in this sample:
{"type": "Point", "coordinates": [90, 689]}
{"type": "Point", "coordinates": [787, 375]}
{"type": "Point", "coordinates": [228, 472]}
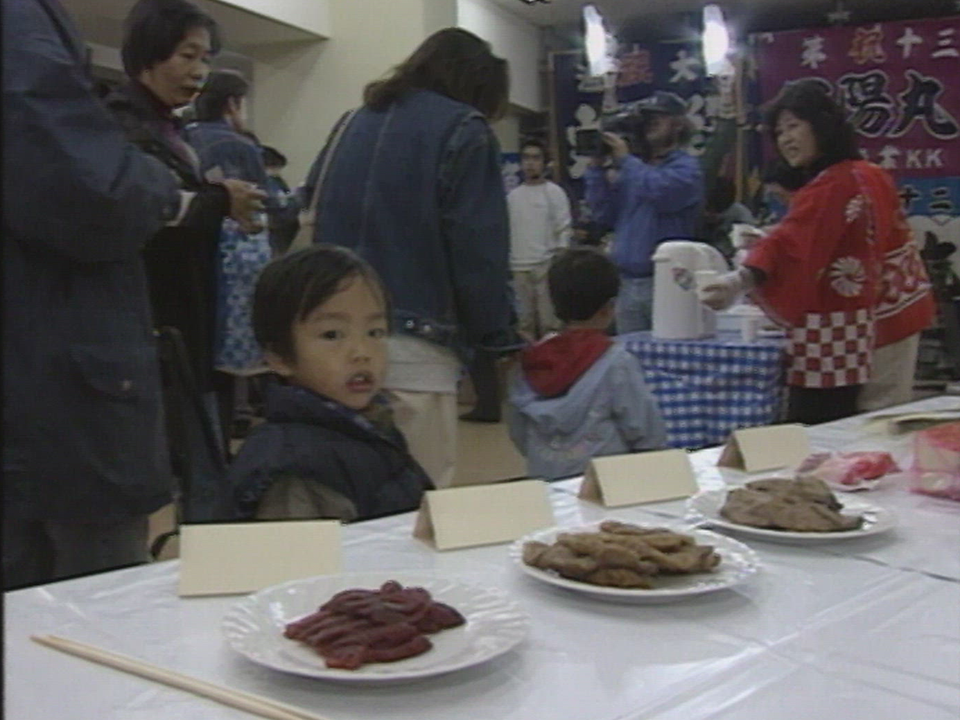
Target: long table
{"type": "Point", "coordinates": [865, 628]}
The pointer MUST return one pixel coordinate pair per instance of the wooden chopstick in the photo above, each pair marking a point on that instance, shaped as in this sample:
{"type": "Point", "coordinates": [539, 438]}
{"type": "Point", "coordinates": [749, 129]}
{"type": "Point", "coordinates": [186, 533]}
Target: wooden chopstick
{"type": "Point", "coordinates": [248, 702]}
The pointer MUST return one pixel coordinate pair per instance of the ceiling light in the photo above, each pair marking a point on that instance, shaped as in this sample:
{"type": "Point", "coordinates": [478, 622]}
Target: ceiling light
{"type": "Point", "coordinates": [716, 42]}
{"type": "Point", "coordinates": [597, 42]}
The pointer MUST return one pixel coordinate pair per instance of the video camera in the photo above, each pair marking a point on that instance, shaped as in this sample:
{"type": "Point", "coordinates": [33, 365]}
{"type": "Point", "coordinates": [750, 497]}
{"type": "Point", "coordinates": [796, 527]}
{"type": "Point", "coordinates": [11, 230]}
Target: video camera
{"type": "Point", "coordinates": [627, 121]}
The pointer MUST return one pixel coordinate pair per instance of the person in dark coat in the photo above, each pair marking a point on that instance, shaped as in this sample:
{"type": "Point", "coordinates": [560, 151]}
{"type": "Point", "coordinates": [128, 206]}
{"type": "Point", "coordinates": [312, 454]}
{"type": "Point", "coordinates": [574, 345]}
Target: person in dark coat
{"type": "Point", "coordinates": [166, 52]}
{"type": "Point", "coordinates": [84, 458]}
{"type": "Point", "coordinates": [227, 149]}
{"type": "Point", "coordinates": [329, 448]}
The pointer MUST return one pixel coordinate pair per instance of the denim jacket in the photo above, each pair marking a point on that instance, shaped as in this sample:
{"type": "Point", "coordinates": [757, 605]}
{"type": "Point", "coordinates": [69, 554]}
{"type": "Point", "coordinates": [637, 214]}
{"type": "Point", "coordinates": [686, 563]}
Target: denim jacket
{"type": "Point", "coordinates": [220, 146]}
{"type": "Point", "coordinates": [645, 205]}
{"type": "Point", "coordinates": [417, 191]}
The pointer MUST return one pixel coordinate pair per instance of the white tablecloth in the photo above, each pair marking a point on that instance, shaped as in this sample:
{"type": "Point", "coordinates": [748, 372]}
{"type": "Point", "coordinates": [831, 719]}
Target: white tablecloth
{"type": "Point", "coordinates": [858, 629]}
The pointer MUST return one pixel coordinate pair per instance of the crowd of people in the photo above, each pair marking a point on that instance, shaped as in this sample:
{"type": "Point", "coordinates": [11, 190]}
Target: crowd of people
{"type": "Point", "coordinates": [416, 265]}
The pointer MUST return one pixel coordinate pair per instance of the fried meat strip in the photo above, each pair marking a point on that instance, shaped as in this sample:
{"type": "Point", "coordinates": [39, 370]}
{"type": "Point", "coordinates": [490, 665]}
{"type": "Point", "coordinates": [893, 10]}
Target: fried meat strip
{"type": "Point", "coordinates": [621, 555]}
{"type": "Point", "coordinates": [619, 577]}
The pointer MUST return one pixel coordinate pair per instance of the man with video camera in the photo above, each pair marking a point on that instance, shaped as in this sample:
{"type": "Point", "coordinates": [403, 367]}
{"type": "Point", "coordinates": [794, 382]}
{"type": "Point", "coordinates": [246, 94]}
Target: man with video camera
{"type": "Point", "coordinates": [648, 188]}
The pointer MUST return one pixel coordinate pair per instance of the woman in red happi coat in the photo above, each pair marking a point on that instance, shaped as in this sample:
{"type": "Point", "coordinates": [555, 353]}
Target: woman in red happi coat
{"type": "Point", "coordinates": [841, 271]}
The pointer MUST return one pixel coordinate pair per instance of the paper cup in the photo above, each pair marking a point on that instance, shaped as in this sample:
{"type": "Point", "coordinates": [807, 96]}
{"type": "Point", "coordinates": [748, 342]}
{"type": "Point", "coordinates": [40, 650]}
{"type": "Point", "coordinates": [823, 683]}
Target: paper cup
{"type": "Point", "coordinates": [703, 278]}
{"type": "Point", "coordinates": [749, 328]}
{"type": "Point", "coordinates": [742, 235]}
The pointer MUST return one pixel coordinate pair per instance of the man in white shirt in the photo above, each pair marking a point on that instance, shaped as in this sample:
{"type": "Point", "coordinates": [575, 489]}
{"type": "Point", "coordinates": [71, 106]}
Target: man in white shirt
{"type": "Point", "coordinates": [539, 226]}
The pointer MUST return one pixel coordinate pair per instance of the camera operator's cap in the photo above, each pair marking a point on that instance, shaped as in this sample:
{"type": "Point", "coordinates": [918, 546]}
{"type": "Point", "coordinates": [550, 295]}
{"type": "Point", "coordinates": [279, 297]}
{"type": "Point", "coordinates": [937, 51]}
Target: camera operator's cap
{"type": "Point", "coordinates": [662, 102]}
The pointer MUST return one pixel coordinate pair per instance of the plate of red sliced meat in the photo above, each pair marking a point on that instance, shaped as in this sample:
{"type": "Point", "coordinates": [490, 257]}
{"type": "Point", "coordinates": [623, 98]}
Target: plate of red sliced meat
{"type": "Point", "coordinates": [374, 627]}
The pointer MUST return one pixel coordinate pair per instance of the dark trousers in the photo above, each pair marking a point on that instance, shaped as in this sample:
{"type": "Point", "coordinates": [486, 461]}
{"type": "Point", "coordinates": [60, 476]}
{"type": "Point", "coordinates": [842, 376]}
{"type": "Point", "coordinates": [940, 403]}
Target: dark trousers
{"type": "Point", "coordinates": [39, 551]}
{"type": "Point", "coordinates": [486, 384]}
{"type": "Point", "coordinates": [811, 406]}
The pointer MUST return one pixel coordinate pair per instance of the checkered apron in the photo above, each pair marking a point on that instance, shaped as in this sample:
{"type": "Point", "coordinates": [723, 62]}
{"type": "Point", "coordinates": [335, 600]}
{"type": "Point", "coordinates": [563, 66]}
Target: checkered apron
{"type": "Point", "coordinates": [831, 349]}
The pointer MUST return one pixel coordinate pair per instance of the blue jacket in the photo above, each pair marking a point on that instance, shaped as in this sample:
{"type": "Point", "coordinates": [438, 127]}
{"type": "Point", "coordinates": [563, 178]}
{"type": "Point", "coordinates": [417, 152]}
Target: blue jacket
{"type": "Point", "coordinates": [417, 191]}
{"type": "Point", "coordinates": [220, 146]}
{"type": "Point", "coordinates": [309, 437]}
{"type": "Point", "coordinates": [83, 438]}
{"type": "Point", "coordinates": [607, 411]}
{"type": "Point", "coordinates": [645, 205]}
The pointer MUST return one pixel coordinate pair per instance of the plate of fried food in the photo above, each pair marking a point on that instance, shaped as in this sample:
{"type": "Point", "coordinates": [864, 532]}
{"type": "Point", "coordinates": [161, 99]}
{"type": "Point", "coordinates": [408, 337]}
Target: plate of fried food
{"type": "Point", "coordinates": [800, 510]}
{"type": "Point", "coordinates": [622, 562]}
{"type": "Point", "coordinates": [374, 627]}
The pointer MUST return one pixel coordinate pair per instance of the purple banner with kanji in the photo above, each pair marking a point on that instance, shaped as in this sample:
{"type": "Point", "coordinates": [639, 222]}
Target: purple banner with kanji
{"type": "Point", "coordinates": [900, 85]}
{"type": "Point", "coordinates": [899, 81]}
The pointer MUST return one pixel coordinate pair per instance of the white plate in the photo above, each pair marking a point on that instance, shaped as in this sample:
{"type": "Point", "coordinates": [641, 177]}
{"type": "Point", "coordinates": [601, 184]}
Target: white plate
{"type": "Point", "coordinates": [737, 563]}
{"type": "Point", "coordinates": [495, 624]}
{"type": "Point", "coordinates": [707, 504]}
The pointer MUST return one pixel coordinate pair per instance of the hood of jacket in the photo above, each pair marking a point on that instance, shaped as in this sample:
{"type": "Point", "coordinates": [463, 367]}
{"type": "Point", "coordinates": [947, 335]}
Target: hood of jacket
{"type": "Point", "coordinates": [568, 410]}
{"type": "Point", "coordinates": [557, 362]}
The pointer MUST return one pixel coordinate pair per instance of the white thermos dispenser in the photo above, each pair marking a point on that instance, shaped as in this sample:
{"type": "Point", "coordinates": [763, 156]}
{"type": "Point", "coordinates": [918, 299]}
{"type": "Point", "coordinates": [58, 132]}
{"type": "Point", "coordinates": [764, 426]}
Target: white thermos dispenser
{"type": "Point", "coordinates": [677, 312]}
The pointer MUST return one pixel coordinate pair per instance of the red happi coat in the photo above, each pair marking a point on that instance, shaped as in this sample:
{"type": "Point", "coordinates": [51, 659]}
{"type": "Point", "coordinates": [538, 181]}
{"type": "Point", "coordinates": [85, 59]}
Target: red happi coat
{"type": "Point", "coordinates": [823, 267]}
{"type": "Point", "coordinates": [905, 305]}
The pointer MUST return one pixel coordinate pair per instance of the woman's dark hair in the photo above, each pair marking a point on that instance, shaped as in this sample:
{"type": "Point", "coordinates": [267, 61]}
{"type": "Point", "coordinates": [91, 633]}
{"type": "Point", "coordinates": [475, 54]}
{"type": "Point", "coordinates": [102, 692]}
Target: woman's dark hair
{"type": "Point", "coordinates": [581, 280]}
{"type": "Point", "coordinates": [273, 157]}
{"type": "Point", "coordinates": [221, 85]}
{"type": "Point", "coordinates": [781, 173]}
{"type": "Point", "coordinates": [808, 100]}
{"type": "Point", "coordinates": [723, 195]}
{"type": "Point", "coordinates": [292, 286]}
{"type": "Point", "coordinates": [454, 63]}
{"type": "Point", "coordinates": [154, 28]}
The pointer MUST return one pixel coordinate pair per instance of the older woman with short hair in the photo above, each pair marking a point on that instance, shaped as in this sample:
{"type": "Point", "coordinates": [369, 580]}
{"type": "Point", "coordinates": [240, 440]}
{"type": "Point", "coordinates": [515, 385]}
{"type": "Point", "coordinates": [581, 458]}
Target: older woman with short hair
{"type": "Point", "coordinates": [166, 51]}
{"type": "Point", "coordinates": [841, 271]}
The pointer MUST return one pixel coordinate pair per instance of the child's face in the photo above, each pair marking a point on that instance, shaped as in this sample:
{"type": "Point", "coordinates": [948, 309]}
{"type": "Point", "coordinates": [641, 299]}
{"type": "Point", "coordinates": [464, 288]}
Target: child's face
{"type": "Point", "coordinates": [340, 349]}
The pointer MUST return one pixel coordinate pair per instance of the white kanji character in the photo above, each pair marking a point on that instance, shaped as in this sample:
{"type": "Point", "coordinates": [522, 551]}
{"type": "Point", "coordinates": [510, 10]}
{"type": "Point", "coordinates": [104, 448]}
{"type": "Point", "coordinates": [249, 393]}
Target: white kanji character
{"type": "Point", "coordinates": [684, 67]}
{"type": "Point", "coordinates": [888, 157]}
{"type": "Point", "coordinates": [908, 40]}
{"type": "Point", "coordinates": [813, 53]}
{"type": "Point", "coordinates": [945, 43]}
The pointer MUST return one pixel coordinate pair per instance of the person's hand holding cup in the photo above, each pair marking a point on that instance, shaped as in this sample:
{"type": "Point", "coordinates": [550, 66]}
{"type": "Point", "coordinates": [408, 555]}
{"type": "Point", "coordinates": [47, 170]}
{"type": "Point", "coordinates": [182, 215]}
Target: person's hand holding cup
{"type": "Point", "coordinates": [744, 236]}
{"type": "Point", "coordinates": [704, 278]}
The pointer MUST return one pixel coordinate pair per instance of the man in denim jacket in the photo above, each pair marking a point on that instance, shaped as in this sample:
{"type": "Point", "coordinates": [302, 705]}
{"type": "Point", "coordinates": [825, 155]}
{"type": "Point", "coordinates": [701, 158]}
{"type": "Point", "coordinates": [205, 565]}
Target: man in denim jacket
{"type": "Point", "coordinates": [415, 188]}
{"type": "Point", "coordinates": [646, 200]}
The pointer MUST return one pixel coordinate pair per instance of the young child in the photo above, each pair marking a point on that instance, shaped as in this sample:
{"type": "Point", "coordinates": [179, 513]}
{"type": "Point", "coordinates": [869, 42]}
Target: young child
{"type": "Point", "coordinates": [328, 448]}
{"type": "Point", "coordinates": [579, 395]}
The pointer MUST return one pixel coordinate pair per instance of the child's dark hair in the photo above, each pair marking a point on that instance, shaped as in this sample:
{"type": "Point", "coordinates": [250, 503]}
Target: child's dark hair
{"type": "Point", "coordinates": [582, 280]}
{"type": "Point", "coordinates": [221, 85]}
{"type": "Point", "coordinates": [292, 286]}
{"type": "Point", "coordinates": [154, 28]}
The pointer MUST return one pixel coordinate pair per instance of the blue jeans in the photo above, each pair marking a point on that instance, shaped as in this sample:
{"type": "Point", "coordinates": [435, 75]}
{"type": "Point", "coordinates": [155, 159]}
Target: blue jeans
{"type": "Point", "coordinates": [634, 308]}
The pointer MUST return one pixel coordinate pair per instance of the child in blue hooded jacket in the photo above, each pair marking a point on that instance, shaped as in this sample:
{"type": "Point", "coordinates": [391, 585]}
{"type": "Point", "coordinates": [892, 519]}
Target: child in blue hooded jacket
{"type": "Point", "coordinates": [579, 394]}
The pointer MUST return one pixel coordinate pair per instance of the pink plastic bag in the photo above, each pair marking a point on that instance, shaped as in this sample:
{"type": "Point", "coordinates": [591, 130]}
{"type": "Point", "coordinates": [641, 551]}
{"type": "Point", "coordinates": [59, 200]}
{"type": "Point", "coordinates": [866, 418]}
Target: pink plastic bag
{"type": "Point", "coordinates": [936, 461]}
{"type": "Point", "coordinates": [849, 471]}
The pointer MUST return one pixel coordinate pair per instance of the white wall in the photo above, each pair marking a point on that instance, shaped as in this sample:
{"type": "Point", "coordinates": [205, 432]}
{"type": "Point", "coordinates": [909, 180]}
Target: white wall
{"type": "Point", "coordinates": [302, 88]}
{"type": "Point", "coordinates": [513, 39]}
{"type": "Point", "coordinates": [105, 57]}
{"type": "Point", "coordinates": [507, 130]}
{"type": "Point", "coordinates": [310, 15]}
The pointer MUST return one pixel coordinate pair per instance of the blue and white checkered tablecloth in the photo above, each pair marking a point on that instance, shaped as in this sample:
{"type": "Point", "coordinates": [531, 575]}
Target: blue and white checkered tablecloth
{"type": "Point", "coordinates": [708, 388]}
